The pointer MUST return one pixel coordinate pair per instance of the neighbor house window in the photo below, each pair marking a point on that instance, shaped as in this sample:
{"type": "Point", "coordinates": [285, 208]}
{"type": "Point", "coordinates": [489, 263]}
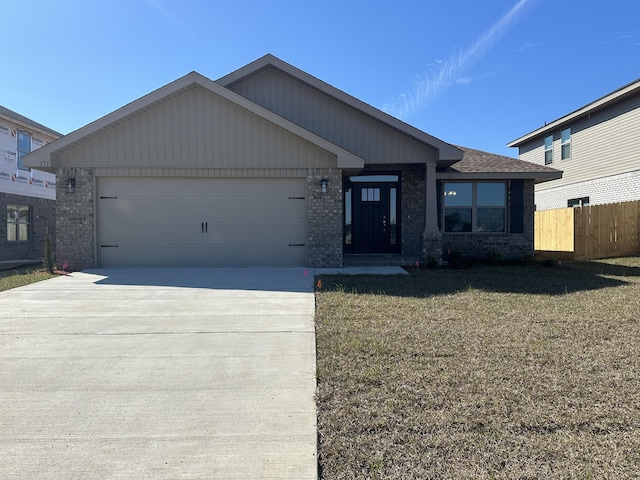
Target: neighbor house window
{"type": "Point", "coordinates": [548, 150]}
{"type": "Point", "coordinates": [578, 202]}
{"type": "Point", "coordinates": [565, 143]}
{"type": "Point", "coordinates": [24, 148]}
{"type": "Point", "coordinates": [18, 223]}
{"type": "Point", "coordinates": [474, 207]}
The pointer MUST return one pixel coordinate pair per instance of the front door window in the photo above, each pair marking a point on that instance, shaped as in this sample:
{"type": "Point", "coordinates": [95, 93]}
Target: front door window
{"type": "Point", "coordinates": [371, 216]}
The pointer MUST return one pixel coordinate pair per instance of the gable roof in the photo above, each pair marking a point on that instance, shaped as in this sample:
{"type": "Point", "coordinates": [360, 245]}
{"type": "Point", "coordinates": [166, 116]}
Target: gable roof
{"type": "Point", "coordinates": [45, 157]}
{"type": "Point", "coordinates": [447, 152]}
{"type": "Point", "coordinates": [27, 122]}
{"type": "Point", "coordinates": [620, 94]}
{"type": "Point", "coordinates": [479, 165]}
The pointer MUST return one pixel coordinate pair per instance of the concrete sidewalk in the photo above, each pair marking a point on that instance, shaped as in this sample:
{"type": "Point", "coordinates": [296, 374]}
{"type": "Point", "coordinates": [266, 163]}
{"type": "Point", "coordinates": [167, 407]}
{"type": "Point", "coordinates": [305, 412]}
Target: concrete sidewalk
{"type": "Point", "coordinates": [159, 373]}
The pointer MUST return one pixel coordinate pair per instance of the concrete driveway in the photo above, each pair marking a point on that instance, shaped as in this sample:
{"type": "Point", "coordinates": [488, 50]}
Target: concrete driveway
{"type": "Point", "coordinates": [159, 373]}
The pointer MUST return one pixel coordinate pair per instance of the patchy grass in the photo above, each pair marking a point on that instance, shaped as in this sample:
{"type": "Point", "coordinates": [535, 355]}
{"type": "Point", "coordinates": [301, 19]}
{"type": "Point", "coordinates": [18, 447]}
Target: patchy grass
{"type": "Point", "coordinates": [20, 276]}
{"type": "Point", "coordinates": [490, 372]}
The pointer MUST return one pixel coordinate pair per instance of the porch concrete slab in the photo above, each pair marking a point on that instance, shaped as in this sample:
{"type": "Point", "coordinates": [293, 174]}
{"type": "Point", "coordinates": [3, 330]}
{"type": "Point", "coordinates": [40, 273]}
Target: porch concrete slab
{"type": "Point", "coordinates": [365, 270]}
{"type": "Point", "coordinates": [159, 373]}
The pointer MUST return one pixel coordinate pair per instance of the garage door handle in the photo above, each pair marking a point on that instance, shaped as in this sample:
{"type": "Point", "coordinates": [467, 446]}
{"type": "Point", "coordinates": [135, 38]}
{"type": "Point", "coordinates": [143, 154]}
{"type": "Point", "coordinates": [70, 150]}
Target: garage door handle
{"type": "Point", "coordinates": [109, 246]}
{"type": "Point", "coordinates": [296, 244]}
{"type": "Point", "coordinates": [206, 227]}
{"type": "Point", "coordinates": [202, 227]}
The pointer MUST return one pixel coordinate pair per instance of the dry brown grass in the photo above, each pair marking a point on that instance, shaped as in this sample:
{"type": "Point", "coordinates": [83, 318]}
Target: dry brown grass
{"type": "Point", "coordinates": [490, 372]}
{"type": "Point", "coordinates": [22, 275]}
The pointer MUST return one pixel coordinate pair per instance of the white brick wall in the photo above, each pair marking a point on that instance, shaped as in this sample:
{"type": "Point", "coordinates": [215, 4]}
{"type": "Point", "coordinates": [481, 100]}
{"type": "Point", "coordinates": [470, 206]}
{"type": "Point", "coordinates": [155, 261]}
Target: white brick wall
{"type": "Point", "coordinates": [616, 188]}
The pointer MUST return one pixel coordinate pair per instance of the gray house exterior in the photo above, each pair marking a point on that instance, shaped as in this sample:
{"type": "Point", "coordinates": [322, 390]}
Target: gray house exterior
{"type": "Point", "coordinates": [597, 147]}
{"type": "Point", "coordinates": [271, 166]}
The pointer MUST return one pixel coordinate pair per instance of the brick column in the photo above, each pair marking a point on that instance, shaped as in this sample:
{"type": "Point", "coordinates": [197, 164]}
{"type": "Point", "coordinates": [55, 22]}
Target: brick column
{"type": "Point", "coordinates": [75, 219]}
{"type": "Point", "coordinates": [432, 237]}
{"type": "Point", "coordinates": [431, 200]}
{"type": "Point", "coordinates": [324, 218]}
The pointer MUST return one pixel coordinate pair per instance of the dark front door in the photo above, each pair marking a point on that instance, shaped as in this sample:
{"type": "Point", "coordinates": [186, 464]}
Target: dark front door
{"type": "Point", "coordinates": [375, 219]}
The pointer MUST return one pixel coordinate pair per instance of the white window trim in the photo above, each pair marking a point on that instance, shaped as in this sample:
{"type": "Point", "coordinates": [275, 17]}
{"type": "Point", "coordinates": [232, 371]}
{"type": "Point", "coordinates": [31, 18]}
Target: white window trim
{"type": "Point", "coordinates": [564, 143]}
{"type": "Point", "coordinates": [549, 149]}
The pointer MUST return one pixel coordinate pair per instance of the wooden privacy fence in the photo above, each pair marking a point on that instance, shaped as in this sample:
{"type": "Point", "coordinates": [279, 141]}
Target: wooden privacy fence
{"type": "Point", "coordinates": [585, 233]}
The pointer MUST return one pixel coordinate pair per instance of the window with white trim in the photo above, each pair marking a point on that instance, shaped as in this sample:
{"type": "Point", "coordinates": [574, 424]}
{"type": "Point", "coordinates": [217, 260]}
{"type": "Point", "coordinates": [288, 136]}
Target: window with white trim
{"type": "Point", "coordinates": [548, 150]}
{"type": "Point", "coordinates": [578, 202]}
{"type": "Point", "coordinates": [24, 148]}
{"type": "Point", "coordinates": [475, 207]}
{"type": "Point", "coordinates": [565, 144]}
{"type": "Point", "coordinates": [18, 223]}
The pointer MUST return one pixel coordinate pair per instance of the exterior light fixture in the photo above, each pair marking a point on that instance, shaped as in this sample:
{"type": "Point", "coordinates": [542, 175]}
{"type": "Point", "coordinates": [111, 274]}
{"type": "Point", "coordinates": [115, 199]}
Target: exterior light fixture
{"type": "Point", "coordinates": [71, 185]}
{"type": "Point", "coordinates": [323, 185]}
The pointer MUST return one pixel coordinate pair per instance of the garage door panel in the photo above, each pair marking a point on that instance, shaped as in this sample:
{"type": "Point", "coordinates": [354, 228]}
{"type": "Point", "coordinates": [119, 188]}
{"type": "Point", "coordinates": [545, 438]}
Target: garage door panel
{"type": "Point", "coordinates": [161, 221]}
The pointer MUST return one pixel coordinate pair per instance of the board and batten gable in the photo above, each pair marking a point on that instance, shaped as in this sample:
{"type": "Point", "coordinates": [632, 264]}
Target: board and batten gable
{"type": "Point", "coordinates": [201, 138]}
{"type": "Point", "coordinates": [197, 133]}
{"type": "Point", "coordinates": [331, 119]}
{"type": "Point", "coordinates": [603, 144]}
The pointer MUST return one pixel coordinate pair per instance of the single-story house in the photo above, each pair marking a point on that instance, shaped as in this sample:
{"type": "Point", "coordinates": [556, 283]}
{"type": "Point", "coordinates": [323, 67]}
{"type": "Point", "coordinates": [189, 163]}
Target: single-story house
{"type": "Point", "coordinates": [271, 166]}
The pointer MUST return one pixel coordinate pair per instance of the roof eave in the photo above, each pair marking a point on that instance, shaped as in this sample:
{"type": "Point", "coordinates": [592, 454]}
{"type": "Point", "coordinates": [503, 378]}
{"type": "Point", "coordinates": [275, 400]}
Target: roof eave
{"type": "Point", "coordinates": [447, 153]}
{"type": "Point", "coordinates": [14, 117]}
{"type": "Point", "coordinates": [627, 90]}
{"type": "Point", "coordinates": [42, 158]}
{"type": "Point", "coordinates": [538, 177]}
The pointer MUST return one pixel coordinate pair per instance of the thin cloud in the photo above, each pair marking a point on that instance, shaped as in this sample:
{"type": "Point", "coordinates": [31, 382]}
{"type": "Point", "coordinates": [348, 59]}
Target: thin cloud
{"type": "Point", "coordinates": [528, 46]}
{"type": "Point", "coordinates": [428, 87]}
{"type": "Point", "coordinates": [161, 10]}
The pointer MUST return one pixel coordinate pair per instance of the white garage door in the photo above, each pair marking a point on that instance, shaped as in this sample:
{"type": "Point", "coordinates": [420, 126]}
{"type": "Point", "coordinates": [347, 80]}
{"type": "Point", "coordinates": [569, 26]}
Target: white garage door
{"type": "Point", "coordinates": [149, 221]}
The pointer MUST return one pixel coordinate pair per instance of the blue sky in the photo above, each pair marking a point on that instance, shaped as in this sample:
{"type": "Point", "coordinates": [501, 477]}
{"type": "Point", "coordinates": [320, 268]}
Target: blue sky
{"type": "Point", "coordinates": [473, 73]}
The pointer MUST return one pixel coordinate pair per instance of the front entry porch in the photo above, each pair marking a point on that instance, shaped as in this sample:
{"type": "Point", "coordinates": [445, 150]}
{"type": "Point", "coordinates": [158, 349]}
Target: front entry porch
{"type": "Point", "coordinates": [380, 260]}
{"type": "Point", "coordinates": [372, 214]}
{"type": "Point", "coordinates": [390, 217]}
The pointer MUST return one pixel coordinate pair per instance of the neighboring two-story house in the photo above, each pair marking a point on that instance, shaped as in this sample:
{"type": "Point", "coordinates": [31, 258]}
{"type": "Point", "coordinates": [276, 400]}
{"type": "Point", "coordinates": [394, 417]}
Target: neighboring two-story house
{"type": "Point", "coordinates": [597, 147]}
{"type": "Point", "coordinates": [27, 196]}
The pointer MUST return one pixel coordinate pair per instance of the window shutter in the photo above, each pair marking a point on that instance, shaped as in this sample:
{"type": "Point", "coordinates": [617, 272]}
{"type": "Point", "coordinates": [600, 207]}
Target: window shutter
{"type": "Point", "coordinates": [517, 206]}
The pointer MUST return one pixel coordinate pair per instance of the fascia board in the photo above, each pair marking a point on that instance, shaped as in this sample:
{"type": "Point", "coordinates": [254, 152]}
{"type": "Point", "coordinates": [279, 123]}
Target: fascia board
{"type": "Point", "coordinates": [590, 108]}
{"type": "Point", "coordinates": [30, 127]}
{"type": "Point", "coordinates": [447, 152]}
{"type": "Point", "coordinates": [539, 177]}
{"type": "Point", "coordinates": [41, 158]}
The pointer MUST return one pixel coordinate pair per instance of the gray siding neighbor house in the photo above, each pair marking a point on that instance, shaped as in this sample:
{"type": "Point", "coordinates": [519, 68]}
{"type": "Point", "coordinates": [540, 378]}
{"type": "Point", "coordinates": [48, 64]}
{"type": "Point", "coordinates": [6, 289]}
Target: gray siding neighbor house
{"type": "Point", "coordinates": [271, 166]}
{"type": "Point", "coordinates": [27, 196]}
{"type": "Point", "coordinates": [597, 147]}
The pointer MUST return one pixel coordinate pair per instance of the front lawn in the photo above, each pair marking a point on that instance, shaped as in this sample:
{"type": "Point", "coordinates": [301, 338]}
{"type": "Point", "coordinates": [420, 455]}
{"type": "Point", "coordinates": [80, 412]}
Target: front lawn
{"type": "Point", "coordinates": [489, 372]}
{"type": "Point", "coordinates": [20, 276]}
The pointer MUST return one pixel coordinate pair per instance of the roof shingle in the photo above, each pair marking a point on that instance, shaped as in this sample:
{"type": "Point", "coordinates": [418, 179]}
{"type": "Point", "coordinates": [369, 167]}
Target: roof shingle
{"type": "Point", "coordinates": [477, 161]}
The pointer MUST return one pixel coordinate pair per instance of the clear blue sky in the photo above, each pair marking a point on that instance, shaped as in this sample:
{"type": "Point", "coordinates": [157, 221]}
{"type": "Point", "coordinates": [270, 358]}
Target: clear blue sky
{"type": "Point", "coordinates": [473, 73]}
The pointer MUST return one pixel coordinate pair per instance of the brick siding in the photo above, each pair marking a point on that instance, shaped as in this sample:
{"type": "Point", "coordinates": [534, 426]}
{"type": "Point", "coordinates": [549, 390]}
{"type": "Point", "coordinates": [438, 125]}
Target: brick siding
{"type": "Point", "coordinates": [616, 188]}
{"type": "Point", "coordinates": [75, 219]}
{"type": "Point", "coordinates": [506, 245]}
{"type": "Point", "coordinates": [43, 220]}
{"type": "Point", "coordinates": [76, 216]}
{"type": "Point", "coordinates": [324, 218]}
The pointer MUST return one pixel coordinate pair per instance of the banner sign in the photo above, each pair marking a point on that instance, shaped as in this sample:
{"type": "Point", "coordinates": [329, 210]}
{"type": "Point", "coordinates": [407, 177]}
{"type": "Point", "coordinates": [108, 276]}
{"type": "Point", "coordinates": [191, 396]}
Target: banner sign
{"type": "Point", "coordinates": [33, 183]}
